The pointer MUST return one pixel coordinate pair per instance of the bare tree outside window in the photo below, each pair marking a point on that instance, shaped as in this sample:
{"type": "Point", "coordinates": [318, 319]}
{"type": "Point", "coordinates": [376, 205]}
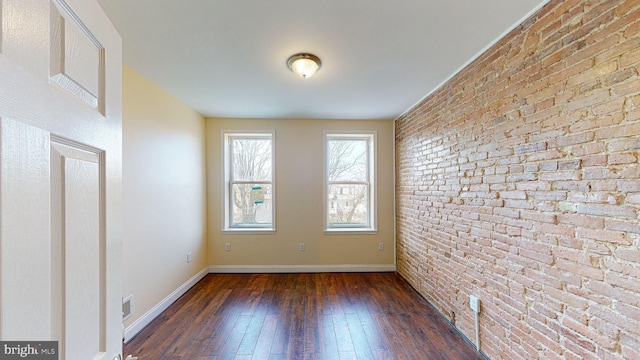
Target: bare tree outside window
{"type": "Point", "coordinates": [250, 180]}
{"type": "Point", "coordinates": [347, 160]}
{"type": "Point", "coordinates": [348, 175]}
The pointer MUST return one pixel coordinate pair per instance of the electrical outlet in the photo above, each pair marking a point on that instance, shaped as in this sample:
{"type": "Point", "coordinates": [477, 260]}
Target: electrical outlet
{"type": "Point", "coordinates": [474, 303]}
{"type": "Point", "coordinates": [189, 257]}
{"type": "Point", "coordinates": [227, 247]}
{"type": "Point", "coordinates": [301, 247]}
{"type": "Point", "coordinates": [380, 246]}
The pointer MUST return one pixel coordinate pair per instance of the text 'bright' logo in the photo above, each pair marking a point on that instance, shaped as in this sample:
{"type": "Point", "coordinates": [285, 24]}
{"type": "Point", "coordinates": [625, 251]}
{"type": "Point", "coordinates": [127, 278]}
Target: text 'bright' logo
{"type": "Point", "coordinates": [38, 350]}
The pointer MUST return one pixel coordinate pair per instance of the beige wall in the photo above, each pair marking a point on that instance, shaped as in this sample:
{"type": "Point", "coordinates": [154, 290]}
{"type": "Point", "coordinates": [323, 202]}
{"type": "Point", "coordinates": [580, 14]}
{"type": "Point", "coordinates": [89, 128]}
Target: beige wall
{"type": "Point", "coordinates": [164, 193]}
{"type": "Point", "coordinates": [299, 159]}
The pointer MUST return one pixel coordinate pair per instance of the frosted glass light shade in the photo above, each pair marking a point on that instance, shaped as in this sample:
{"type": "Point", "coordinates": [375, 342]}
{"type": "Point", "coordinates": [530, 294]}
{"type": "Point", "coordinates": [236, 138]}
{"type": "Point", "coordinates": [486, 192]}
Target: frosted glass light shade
{"type": "Point", "coordinates": [304, 65]}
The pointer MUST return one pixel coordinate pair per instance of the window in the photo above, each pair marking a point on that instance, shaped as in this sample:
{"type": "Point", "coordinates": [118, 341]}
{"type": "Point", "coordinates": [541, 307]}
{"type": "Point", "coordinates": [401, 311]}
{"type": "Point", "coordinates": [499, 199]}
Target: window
{"type": "Point", "coordinates": [248, 182]}
{"type": "Point", "coordinates": [350, 176]}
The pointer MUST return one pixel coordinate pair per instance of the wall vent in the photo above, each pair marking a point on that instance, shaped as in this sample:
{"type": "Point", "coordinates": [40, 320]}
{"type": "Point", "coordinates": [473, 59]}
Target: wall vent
{"type": "Point", "coordinates": [127, 307]}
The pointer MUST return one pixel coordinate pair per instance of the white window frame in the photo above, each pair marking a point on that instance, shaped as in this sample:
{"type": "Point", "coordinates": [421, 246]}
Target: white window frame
{"type": "Point", "coordinates": [227, 183]}
{"type": "Point", "coordinates": [372, 207]}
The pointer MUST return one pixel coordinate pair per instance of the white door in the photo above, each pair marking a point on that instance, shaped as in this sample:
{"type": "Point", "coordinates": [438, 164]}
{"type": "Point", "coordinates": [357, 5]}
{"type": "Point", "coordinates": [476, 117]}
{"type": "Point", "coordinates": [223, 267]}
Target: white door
{"type": "Point", "coordinates": [60, 177]}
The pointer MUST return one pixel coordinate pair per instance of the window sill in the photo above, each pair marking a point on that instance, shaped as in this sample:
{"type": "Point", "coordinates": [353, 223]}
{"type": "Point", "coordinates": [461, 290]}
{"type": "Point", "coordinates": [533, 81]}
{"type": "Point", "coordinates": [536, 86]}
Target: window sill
{"type": "Point", "coordinates": [252, 231]}
{"type": "Point", "coordinates": [350, 231]}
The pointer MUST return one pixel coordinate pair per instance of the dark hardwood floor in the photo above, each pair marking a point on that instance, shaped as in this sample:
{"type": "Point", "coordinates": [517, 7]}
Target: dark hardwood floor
{"type": "Point", "coordinates": [300, 316]}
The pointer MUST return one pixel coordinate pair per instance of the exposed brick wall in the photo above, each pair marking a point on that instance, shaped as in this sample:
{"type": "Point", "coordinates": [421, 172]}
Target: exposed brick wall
{"type": "Point", "coordinates": [518, 181]}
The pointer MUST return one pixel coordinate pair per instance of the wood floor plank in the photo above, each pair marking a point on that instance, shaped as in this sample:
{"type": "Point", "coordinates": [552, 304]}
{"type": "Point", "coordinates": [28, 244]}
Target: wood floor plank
{"type": "Point", "coordinates": [265, 340]}
{"type": "Point", "coordinates": [321, 316]}
{"type": "Point", "coordinates": [343, 335]}
{"type": "Point", "coordinates": [371, 332]}
{"type": "Point", "coordinates": [328, 341]}
{"type": "Point", "coordinates": [311, 324]}
{"type": "Point", "coordinates": [358, 338]}
{"type": "Point", "coordinates": [232, 343]}
{"type": "Point", "coordinates": [280, 338]}
{"type": "Point", "coordinates": [207, 329]}
{"type": "Point", "coordinates": [250, 340]}
{"type": "Point", "coordinates": [396, 347]}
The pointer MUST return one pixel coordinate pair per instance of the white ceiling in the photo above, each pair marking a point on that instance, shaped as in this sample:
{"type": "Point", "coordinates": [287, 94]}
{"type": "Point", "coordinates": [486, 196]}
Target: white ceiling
{"type": "Point", "coordinates": [227, 58]}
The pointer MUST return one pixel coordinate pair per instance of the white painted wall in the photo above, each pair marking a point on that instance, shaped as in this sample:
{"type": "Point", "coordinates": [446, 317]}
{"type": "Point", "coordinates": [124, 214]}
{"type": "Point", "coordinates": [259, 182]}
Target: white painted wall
{"type": "Point", "coordinates": [164, 193]}
{"type": "Point", "coordinates": [299, 159]}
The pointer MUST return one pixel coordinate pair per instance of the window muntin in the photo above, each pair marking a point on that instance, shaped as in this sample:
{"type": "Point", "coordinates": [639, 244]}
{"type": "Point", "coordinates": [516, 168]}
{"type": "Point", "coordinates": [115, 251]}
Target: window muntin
{"type": "Point", "coordinates": [249, 169]}
{"type": "Point", "coordinates": [349, 188]}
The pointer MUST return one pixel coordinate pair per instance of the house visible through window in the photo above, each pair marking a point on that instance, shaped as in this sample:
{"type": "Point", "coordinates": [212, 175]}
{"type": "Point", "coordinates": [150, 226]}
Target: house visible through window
{"type": "Point", "coordinates": [350, 176]}
{"type": "Point", "coordinates": [248, 175]}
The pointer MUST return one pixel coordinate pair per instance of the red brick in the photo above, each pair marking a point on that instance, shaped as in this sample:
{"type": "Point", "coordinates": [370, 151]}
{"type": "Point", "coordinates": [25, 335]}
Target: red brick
{"type": "Point", "coordinates": [624, 144]}
{"type": "Point", "coordinates": [543, 258]}
{"type": "Point", "coordinates": [556, 229]}
{"type": "Point", "coordinates": [588, 333]}
{"type": "Point", "coordinates": [594, 160]}
{"type": "Point", "coordinates": [629, 311]}
{"type": "Point", "coordinates": [560, 175]}
{"type": "Point", "coordinates": [569, 164]}
{"type": "Point", "coordinates": [546, 155]}
{"type": "Point", "coordinates": [518, 204]}
{"type": "Point", "coordinates": [632, 226]}
{"type": "Point", "coordinates": [519, 180]}
{"type": "Point", "coordinates": [630, 353]}
{"type": "Point", "coordinates": [493, 179]}
{"type": "Point", "coordinates": [605, 186]}
{"type": "Point", "coordinates": [630, 58]}
{"type": "Point", "coordinates": [604, 235]}
{"type": "Point", "coordinates": [618, 131]}
{"type": "Point", "coordinates": [606, 210]}
{"type": "Point", "coordinates": [571, 140]}
{"type": "Point", "coordinates": [598, 71]}
{"type": "Point", "coordinates": [618, 50]}
{"type": "Point", "coordinates": [581, 220]}
{"type": "Point", "coordinates": [629, 254]}
{"type": "Point", "coordinates": [524, 149]}
{"type": "Point", "coordinates": [592, 148]}
{"type": "Point", "coordinates": [633, 199]}
{"type": "Point", "coordinates": [622, 158]}
{"type": "Point", "coordinates": [621, 267]}
{"type": "Point", "coordinates": [625, 282]}
{"type": "Point", "coordinates": [624, 89]}
{"type": "Point", "coordinates": [538, 217]}
{"type": "Point", "coordinates": [549, 166]}
{"type": "Point", "coordinates": [521, 195]}
{"type": "Point", "coordinates": [630, 340]}
{"type": "Point", "coordinates": [594, 197]}
{"type": "Point", "coordinates": [600, 173]}
{"type": "Point", "coordinates": [531, 185]}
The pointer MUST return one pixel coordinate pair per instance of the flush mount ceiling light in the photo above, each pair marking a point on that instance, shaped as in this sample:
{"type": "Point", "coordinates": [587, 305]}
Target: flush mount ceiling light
{"type": "Point", "coordinates": [304, 64]}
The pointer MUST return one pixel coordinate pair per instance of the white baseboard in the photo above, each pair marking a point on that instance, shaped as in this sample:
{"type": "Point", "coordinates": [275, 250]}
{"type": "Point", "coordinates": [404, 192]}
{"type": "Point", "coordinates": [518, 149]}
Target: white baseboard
{"type": "Point", "coordinates": [137, 326]}
{"type": "Point", "coordinates": [244, 269]}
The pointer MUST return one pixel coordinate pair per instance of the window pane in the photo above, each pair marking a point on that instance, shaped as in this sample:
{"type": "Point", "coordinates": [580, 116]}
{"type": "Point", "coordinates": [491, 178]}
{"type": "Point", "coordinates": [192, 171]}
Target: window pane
{"type": "Point", "coordinates": [348, 205]}
{"type": "Point", "coordinates": [251, 204]}
{"type": "Point", "coordinates": [251, 159]}
{"type": "Point", "coordinates": [347, 159]}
